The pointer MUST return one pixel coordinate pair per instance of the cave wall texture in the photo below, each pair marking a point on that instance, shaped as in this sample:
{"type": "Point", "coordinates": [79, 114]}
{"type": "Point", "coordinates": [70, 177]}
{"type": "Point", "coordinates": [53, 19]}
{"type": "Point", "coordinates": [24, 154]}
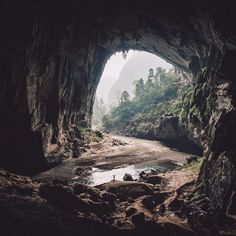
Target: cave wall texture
{"type": "Point", "coordinates": [52, 57]}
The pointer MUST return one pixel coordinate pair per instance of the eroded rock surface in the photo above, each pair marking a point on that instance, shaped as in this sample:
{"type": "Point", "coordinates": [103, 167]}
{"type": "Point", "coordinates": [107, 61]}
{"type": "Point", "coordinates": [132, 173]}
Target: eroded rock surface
{"type": "Point", "coordinates": [55, 207]}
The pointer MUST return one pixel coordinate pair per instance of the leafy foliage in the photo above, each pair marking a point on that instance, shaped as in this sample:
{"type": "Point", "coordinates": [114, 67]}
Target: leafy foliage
{"type": "Point", "coordinates": [159, 95]}
{"type": "Point", "coordinates": [124, 97]}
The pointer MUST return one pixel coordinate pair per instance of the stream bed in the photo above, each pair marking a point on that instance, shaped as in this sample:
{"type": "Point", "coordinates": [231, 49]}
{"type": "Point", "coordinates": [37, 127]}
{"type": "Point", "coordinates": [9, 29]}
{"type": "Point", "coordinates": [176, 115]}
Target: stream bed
{"type": "Point", "coordinates": [98, 176]}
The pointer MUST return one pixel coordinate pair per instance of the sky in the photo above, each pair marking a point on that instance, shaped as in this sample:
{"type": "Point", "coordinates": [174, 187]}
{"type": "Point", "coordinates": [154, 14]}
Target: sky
{"type": "Point", "coordinates": [113, 68]}
{"type": "Point", "coordinates": [116, 62]}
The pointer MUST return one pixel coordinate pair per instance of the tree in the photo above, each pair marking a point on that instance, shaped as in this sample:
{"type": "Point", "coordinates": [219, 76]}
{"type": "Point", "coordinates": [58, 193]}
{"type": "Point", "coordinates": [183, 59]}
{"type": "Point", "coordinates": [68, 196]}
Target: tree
{"type": "Point", "coordinates": [159, 71]}
{"type": "Point", "coordinates": [151, 73]}
{"type": "Point", "coordinates": [149, 85]}
{"type": "Point", "coordinates": [151, 101]}
{"type": "Point", "coordinates": [124, 97]}
{"type": "Point", "coordinates": [139, 88]}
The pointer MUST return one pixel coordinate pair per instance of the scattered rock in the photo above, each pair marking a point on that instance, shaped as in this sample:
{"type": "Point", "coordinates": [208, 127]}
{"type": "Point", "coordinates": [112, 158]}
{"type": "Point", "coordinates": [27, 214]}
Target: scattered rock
{"type": "Point", "coordinates": [130, 200]}
{"type": "Point", "coordinates": [94, 193]}
{"type": "Point", "coordinates": [99, 208]}
{"type": "Point", "coordinates": [62, 197]}
{"type": "Point", "coordinates": [84, 196]}
{"type": "Point", "coordinates": [128, 177]}
{"type": "Point", "coordinates": [138, 219]}
{"type": "Point", "coordinates": [125, 189]}
{"type": "Point", "coordinates": [157, 188]}
{"type": "Point", "coordinates": [130, 211]}
{"type": "Point", "coordinates": [154, 179]}
{"type": "Point", "coordinates": [155, 172]}
{"type": "Point", "coordinates": [107, 196]}
{"type": "Point", "coordinates": [162, 208]}
{"type": "Point", "coordinates": [160, 197]}
{"type": "Point", "coordinates": [148, 202]}
{"type": "Point", "coordinates": [82, 171]}
{"type": "Point", "coordinates": [11, 183]}
{"type": "Point", "coordinates": [79, 188]}
{"type": "Point", "coordinates": [90, 216]}
{"type": "Point", "coordinates": [175, 205]}
{"type": "Point", "coordinates": [142, 173]}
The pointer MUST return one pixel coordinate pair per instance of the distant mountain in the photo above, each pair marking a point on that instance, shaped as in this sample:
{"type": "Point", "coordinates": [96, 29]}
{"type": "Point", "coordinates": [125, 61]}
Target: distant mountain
{"type": "Point", "coordinates": [136, 67]}
{"type": "Point", "coordinates": [105, 86]}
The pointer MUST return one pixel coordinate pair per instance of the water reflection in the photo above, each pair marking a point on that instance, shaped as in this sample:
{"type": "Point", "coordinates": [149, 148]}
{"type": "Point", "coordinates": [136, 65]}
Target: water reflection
{"type": "Point", "coordinates": [100, 176]}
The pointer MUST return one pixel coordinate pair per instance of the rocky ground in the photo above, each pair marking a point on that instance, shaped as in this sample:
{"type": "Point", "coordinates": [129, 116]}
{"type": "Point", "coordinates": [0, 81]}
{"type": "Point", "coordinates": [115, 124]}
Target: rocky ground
{"type": "Point", "coordinates": [120, 207]}
{"type": "Point", "coordinates": [155, 204]}
{"type": "Point", "coordinates": [114, 151]}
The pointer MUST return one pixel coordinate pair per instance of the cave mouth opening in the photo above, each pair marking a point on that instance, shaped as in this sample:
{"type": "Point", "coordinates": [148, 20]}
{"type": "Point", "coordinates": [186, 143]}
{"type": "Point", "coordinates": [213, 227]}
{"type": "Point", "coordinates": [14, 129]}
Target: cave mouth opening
{"type": "Point", "coordinates": [52, 58]}
{"type": "Point", "coordinates": [136, 91]}
{"type": "Point", "coordinates": [121, 73]}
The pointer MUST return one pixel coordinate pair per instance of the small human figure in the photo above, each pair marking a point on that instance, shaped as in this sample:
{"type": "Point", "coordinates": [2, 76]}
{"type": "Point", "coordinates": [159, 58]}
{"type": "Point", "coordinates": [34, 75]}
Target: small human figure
{"type": "Point", "coordinates": [114, 178]}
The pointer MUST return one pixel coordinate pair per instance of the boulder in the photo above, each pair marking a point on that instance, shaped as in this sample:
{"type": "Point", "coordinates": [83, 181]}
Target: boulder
{"type": "Point", "coordinates": [148, 202]}
{"type": "Point", "coordinates": [138, 219]}
{"type": "Point", "coordinates": [94, 193]}
{"type": "Point", "coordinates": [82, 171]}
{"type": "Point", "coordinates": [176, 205]}
{"type": "Point", "coordinates": [160, 197]}
{"type": "Point", "coordinates": [142, 173]}
{"type": "Point", "coordinates": [127, 189]}
{"type": "Point", "coordinates": [99, 208]}
{"type": "Point", "coordinates": [143, 176]}
{"type": "Point", "coordinates": [154, 179]}
{"type": "Point", "coordinates": [107, 196]}
{"type": "Point", "coordinates": [62, 197]}
{"type": "Point", "coordinates": [128, 177]}
{"type": "Point", "coordinates": [130, 211]}
{"type": "Point", "coordinates": [79, 188]}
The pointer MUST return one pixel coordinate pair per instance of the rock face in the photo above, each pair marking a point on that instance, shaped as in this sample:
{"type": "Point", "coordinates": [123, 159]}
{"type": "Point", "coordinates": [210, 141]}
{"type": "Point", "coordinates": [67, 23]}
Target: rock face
{"type": "Point", "coordinates": [168, 128]}
{"type": "Point", "coordinates": [52, 58]}
{"type": "Point", "coordinates": [164, 128]}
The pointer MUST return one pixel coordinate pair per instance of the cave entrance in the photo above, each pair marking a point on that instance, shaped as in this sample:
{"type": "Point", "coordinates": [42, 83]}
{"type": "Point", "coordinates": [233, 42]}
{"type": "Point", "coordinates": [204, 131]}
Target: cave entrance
{"type": "Point", "coordinates": [51, 61]}
{"type": "Point", "coordinates": [122, 71]}
{"type": "Point", "coordinates": [138, 104]}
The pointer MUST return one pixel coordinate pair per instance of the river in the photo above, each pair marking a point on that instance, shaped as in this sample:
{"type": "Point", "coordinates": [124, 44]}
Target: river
{"type": "Point", "coordinates": [113, 157]}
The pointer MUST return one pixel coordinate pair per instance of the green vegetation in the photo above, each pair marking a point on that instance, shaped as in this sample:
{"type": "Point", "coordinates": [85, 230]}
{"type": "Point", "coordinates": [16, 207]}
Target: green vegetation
{"type": "Point", "coordinates": [87, 135]}
{"type": "Point", "coordinates": [160, 95]}
{"type": "Point", "coordinates": [198, 102]}
{"type": "Point", "coordinates": [194, 165]}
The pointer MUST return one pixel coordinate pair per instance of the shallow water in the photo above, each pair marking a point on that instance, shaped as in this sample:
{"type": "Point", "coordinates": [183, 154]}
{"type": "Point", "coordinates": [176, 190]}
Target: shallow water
{"type": "Point", "coordinates": [100, 176]}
